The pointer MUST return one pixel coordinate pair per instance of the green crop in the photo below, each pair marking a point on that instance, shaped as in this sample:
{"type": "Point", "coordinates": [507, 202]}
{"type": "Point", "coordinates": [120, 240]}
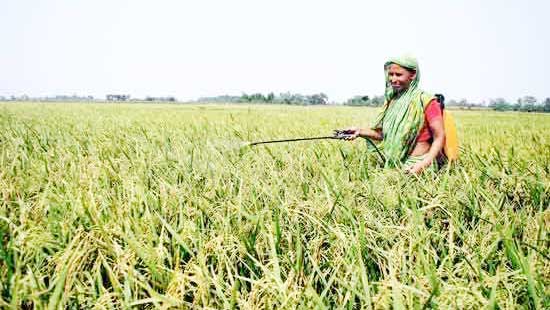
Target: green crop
{"type": "Point", "coordinates": [159, 206]}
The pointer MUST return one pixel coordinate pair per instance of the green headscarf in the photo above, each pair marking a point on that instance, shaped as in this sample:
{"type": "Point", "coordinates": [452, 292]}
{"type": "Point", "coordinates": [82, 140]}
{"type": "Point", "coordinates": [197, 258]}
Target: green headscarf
{"type": "Point", "coordinates": [402, 115]}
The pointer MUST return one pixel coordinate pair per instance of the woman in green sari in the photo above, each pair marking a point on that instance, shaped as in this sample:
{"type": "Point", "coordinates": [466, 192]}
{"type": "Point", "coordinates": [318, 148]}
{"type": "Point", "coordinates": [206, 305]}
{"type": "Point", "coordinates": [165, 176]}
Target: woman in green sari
{"type": "Point", "coordinates": [410, 126]}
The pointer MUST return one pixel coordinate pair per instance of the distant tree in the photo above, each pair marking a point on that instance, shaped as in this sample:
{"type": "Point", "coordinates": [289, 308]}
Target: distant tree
{"type": "Point", "coordinates": [528, 103]}
{"type": "Point", "coordinates": [546, 106]}
{"type": "Point", "coordinates": [519, 106]}
{"type": "Point", "coordinates": [285, 98]}
{"type": "Point", "coordinates": [288, 98]}
{"type": "Point", "coordinates": [377, 101]}
{"type": "Point", "coordinates": [112, 97]}
{"type": "Point", "coordinates": [451, 102]}
{"type": "Point", "coordinates": [499, 104]}
{"type": "Point", "coordinates": [244, 98]}
{"type": "Point", "coordinates": [317, 99]}
{"type": "Point", "coordinates": [270, 97]}
{"type": "Point", "coordinates": [358, 101]}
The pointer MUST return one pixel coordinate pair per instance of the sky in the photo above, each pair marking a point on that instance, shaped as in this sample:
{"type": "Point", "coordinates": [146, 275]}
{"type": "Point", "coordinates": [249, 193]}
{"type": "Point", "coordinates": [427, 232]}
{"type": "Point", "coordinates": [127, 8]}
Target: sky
{"type": "Point", "coordinates": [469, 49]}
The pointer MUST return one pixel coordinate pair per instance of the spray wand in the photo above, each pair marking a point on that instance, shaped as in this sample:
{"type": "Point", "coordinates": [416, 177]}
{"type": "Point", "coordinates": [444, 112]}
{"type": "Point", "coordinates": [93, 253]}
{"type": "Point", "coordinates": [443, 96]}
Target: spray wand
{"type": "Point", "coordinates": [338, 135]}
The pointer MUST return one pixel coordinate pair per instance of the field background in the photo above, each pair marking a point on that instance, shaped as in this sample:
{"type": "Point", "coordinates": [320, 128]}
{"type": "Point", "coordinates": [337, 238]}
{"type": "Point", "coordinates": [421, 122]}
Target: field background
{"type": "Point", "coordinates": [121, 205]}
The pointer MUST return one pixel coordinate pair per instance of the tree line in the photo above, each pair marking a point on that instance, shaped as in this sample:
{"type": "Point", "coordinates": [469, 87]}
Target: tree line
{"type": "Point", "coordinates": [523, 104]}
{"type": "Point", "coordinates": [270, 98]}
{"type": "Point", "coordinates": [78, 98]}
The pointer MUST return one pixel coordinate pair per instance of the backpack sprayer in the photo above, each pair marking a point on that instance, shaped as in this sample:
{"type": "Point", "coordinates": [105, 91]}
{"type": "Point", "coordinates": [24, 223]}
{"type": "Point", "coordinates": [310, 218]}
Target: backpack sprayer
{"type": "Point", "coordinates": [337, 135]}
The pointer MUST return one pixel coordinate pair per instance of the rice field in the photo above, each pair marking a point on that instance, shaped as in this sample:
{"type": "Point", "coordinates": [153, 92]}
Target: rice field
{"type": "Point", "coordinates": [110, 206]}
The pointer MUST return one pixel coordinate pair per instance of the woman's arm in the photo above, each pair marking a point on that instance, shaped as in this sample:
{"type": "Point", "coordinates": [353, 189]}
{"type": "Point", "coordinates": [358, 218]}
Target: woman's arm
{"type": "Point", "coordinates": [355, 132]}
{"type": "Point", "coordinates": [438, 133]}
{"type": "Point", "coordinates": [371, 133]}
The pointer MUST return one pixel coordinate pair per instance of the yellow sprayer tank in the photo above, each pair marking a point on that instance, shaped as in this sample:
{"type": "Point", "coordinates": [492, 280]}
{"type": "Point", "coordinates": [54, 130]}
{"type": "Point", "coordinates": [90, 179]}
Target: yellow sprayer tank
{"type": "Point", "coordinates": [451, 139]}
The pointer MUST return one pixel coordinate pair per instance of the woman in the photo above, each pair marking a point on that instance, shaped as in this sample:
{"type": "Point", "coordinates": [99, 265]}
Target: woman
{"type": "Point", "coordinates": [411, 124]}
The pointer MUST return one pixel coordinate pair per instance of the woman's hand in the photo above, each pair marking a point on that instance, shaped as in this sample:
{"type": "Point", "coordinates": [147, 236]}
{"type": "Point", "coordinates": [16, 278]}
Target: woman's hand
{"type": "Point", "coordinates": [352, 133]}
{"type": "Point", "coordinates": [418, 167]}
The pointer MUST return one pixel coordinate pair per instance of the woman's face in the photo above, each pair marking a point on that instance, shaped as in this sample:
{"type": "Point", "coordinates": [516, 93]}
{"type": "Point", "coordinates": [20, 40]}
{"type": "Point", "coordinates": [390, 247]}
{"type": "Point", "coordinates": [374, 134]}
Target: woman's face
{"type": "Point", "coordinates": [400, 78]}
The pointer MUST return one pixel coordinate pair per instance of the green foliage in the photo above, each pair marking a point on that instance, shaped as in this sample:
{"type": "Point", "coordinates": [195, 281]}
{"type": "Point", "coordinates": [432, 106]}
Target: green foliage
{"type": "Point", "coordinates": [524, 104]}
{"type": "Point", "coordinates": [159, 206]}
{"type": "Point", "coordinates": [375, 101]}
{"type": "Point", "coordinates": [258, 98]}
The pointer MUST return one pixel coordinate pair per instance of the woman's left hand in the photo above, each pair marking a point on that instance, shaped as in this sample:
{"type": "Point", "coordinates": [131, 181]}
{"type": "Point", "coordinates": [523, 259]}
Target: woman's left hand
{"type": "Point", "coordinates": [417, 167]}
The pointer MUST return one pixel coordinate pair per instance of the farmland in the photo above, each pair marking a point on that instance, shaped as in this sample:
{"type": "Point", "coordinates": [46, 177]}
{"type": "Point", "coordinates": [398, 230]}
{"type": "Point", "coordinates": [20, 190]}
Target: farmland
{"type": "Point", "coordinates": [121, 205]}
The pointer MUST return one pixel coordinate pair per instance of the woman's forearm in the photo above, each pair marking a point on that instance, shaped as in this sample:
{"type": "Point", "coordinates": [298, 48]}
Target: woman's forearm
{"type": "Point", "coordinates": [370, 133]}
{"type": "Point", "coordinates": [435, 149]}
{"type": "Point", "coordinates": [438, 132]}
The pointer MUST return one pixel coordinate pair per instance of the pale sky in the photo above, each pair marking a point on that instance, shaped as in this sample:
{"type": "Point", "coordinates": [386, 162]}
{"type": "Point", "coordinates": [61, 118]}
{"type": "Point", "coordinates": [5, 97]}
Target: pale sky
{"type": "Point", "coordinates": [188, 49]}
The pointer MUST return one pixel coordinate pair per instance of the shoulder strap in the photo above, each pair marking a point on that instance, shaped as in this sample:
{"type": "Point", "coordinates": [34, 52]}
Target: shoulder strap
{"type": "Point", "coordinates": [426, 98]}
{"type": "Point", "coordinates": [441, 100]}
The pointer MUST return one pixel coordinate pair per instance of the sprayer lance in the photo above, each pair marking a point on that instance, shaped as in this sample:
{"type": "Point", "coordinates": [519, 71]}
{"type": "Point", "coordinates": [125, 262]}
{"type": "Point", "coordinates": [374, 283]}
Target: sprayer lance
{"type": "Point", "coordinates": [338, 134]}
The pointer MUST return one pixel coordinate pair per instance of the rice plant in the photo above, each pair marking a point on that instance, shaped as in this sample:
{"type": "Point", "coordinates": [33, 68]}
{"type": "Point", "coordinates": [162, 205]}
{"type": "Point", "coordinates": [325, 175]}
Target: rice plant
{"type": "Point", "coordinates": [163, 206]}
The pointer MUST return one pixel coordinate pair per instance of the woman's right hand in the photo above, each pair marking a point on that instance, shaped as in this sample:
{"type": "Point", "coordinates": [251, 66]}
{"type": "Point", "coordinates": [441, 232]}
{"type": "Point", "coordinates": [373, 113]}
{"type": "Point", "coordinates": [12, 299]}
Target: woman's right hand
{"type": "Point", "coordinates": [352, 133]}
